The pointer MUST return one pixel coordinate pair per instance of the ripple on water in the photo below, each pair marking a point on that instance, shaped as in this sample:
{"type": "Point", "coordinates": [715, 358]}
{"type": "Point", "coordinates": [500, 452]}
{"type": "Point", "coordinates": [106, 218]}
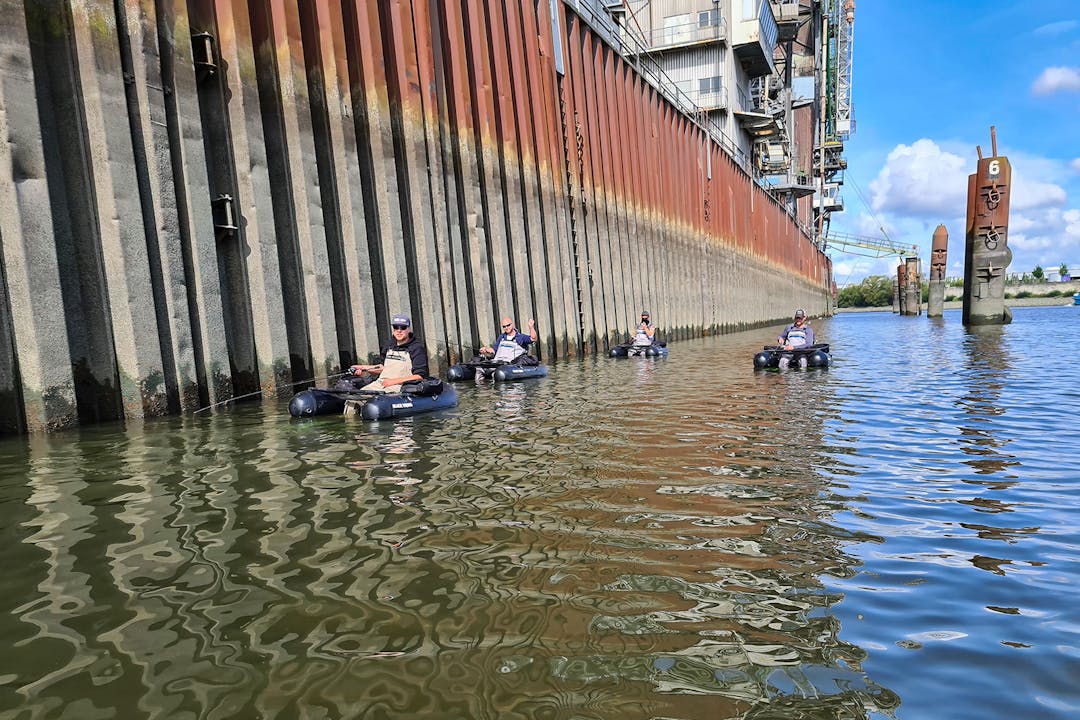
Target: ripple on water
{"type": "Point", "coordinates": [622, 539]}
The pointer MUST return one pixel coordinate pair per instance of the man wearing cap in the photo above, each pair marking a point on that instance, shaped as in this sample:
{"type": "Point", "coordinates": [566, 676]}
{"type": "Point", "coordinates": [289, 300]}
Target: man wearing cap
{"type": "Point", "coordinates": [643, 336]}
{"type": "Point", "coordinates": [796, 335]}
{"type": "Point", "coordinates": [404, 361]}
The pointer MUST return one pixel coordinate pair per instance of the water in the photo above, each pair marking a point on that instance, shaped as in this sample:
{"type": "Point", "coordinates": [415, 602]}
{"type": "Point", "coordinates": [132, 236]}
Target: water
{"type": "Point", "coordinates": [682, 538]}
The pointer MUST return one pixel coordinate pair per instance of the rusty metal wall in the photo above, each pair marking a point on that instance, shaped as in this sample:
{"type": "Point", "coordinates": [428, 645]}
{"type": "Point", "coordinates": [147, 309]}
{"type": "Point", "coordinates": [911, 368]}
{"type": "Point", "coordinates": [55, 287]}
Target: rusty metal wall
{"type": "Point", "coordinates": [201, 200]}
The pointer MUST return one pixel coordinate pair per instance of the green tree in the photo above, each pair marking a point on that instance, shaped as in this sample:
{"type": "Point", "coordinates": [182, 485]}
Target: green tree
{"type": "Point", "coordinates": [874, 291]}
{"type": "Point", "coordinates": [1064, 270]}
{"type": "Point", "coordinates": [1038, 273]}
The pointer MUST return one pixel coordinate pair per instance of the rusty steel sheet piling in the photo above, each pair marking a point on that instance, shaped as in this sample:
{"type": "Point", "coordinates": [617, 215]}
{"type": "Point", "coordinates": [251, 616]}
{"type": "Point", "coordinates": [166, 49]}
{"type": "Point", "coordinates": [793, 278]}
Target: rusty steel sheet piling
{"type": "Point", "coordinates": [987, 254]}
{"type": "Point", "coordinates": [203, 200]}
{"type": "Point", "coordinates": [939, 248]}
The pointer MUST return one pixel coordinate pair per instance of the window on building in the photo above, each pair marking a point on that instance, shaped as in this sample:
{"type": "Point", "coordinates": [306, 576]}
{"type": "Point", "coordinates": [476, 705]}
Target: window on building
{"type": "Point", "coordinates": [675, 27]}
{"type": "Point", "coordinates": [709, 85]}
{"type": "Point", "coordinates": [709, 18]}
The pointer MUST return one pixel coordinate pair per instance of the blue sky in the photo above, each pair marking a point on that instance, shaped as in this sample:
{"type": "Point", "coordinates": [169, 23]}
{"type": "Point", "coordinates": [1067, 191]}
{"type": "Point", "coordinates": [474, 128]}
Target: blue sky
{"type": "Point", "coordinates": [929, 79]}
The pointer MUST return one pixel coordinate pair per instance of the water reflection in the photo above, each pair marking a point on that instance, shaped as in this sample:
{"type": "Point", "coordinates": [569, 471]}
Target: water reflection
{"type": "Point", "coordinates": [622, 539]}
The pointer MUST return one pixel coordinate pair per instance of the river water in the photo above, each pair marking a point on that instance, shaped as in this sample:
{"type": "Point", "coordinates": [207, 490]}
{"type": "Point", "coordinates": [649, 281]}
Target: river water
{"type": "Point", "coordinates": [683, 538]}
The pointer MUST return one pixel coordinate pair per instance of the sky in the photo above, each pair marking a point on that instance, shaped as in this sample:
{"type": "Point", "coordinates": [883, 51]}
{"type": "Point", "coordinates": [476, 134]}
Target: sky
{"type": "Point", "coordinates": [929, 78]}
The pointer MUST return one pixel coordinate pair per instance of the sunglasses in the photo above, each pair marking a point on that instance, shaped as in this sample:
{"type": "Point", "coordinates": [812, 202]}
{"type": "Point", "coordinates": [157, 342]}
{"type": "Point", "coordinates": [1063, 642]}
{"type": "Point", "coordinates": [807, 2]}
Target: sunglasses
{"type": "Point", "coordinates": [508, 325]}
{"type": "Point", "coordinates": [400, 327]}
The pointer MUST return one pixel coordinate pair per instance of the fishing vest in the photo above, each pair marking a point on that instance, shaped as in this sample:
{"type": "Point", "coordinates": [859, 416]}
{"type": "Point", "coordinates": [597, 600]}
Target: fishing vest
{"type": "Point", "coordinates": [796, 337]}
{"type": "Point", "coordinates": [642, 338]}
{"type": "Point", "coordinates": [508, 350]}
{"type": "Point", "coordinates": [398, 363]}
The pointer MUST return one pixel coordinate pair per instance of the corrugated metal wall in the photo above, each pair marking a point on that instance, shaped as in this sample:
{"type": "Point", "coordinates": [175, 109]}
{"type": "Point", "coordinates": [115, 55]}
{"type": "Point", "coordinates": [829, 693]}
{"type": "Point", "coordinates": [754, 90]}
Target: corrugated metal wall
{"type": "Point", "coordinates": [204, 199]}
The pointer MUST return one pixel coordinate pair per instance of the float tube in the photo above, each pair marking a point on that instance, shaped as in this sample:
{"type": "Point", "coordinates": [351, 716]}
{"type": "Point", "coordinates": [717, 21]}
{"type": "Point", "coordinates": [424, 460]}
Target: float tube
{"type": "Point", "coordinates": [426, 396]}
{"type": "Point", "coordinates": [657, 349]}
{"type": "Point", "coordinates": [817, 356]}
{"type": "Point", "coordinates": [503, 371]}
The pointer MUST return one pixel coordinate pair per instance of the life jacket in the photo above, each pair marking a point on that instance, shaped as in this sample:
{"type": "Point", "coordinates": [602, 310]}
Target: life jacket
{"type": "Point", "coordinates": [396, 364]}
{"type": "Point", "coordinates": [796, 336]}
{"type": "Point", "coordinates": [508, 350]}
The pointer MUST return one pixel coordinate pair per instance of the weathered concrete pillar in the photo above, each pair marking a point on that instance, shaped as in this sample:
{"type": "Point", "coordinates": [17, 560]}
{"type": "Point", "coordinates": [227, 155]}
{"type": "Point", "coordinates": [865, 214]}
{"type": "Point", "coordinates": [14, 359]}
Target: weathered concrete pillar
{"type": "Point", "coordinates": [341, 180]}
{"type": "Point", "coordinates": [378, 165]}
{"type": "Point", "coordinates": [939, 247]}
{"type": "Point", "coordinates": [193, 236]}
{"type": "Point", "coordinates": [988, 255]}
{"type": "Point", "coordinates": [36, 384]}
{"type": "Point", "coordinates": [408, 66]}
{"type": "Point", "coordinates": [913, 303]}
{"type": "Point", "coordinates": [117, 205]}
{"type": "Point", "coordinates": [250, 253]}
{"type": "Point", "coordinates": [901, 285]}
{"type": "Point", "coordinates": [473, 271]}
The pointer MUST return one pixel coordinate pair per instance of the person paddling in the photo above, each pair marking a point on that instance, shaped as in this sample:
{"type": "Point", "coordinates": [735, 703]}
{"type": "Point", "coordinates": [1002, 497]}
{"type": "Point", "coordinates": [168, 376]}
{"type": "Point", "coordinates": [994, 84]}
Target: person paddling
{"type": "Point", "coordinates": [797, 335]}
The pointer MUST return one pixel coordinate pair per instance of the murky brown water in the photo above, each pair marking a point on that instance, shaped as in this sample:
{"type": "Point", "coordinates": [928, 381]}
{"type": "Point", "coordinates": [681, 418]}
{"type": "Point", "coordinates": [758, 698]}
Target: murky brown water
{"type": "Point", "coordinates": [682, 538]}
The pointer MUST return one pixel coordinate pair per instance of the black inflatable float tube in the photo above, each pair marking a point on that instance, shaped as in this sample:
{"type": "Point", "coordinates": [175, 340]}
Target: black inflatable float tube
{"type": "Point", "coordinates": [320, 401]}
{"type": "Point", "coordinates": [628, 350]}
{"type": "Point", "coordinates": [817, 356]}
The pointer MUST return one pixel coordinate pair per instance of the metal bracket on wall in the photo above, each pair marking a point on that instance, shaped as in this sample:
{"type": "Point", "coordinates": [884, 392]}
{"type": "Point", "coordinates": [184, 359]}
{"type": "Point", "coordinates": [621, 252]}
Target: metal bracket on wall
{"type": "Point", "coordinates": [224, 216]}
{"type": "Point", "coordinates": [203, 54]}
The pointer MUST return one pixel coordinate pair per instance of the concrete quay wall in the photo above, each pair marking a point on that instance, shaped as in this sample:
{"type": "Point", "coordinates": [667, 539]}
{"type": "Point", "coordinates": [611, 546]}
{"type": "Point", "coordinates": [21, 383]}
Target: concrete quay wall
{"type": "Point", "coordinates": [201, 200]}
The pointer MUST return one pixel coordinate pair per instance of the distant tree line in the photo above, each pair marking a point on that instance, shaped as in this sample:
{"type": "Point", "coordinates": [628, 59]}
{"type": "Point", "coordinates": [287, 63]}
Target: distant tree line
{"type": "Point", "coordinates": [874, 291]}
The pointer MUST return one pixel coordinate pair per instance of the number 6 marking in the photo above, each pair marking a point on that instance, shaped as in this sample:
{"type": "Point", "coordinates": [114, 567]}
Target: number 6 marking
{"type": "Point", "coordinates": [995, 168]}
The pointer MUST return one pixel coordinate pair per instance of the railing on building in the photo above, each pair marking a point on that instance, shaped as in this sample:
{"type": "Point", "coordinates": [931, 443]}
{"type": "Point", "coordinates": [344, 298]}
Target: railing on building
{"type": "Point", "coordinates": [631, 45]}
{"type": "Point", "coordinates": [713, 30]}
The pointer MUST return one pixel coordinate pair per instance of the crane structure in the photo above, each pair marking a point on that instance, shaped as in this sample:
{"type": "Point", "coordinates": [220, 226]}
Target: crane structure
{"type": "Point", "coordinates": [869, 246]}
{"type": "Point", "coordinates": [836, 52]}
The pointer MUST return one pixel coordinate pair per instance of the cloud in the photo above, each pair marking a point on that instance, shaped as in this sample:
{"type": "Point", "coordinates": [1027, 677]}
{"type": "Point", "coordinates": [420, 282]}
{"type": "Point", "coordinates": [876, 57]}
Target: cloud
{"type": "Point", "coordinates": [1055, 80]}
{"type": "Point", "coordinates": [1056, 28]}
{"type": "Point", "coordinates": [922, 180]}
{"type": "Point", "coordinates": [1032, 194]}
{"type": "Point", "coordinates": [1075, 164]}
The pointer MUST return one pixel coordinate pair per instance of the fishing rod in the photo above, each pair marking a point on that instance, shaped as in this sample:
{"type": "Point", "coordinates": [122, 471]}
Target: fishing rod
{"type": "Point", "coordinates": [259, 392]}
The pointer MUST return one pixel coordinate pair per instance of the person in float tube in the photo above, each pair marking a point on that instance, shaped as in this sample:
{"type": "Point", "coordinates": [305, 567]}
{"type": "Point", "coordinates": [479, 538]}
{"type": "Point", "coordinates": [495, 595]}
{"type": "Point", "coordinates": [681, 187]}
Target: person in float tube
{"type": "Point", "coordinates": [644, 335]}
{"type": "Point", "coordinates": [796, 335]}
{"type": "Point", "coordinates": [511, 345]}
{"type": "Point", "coordinates": [404, 361]}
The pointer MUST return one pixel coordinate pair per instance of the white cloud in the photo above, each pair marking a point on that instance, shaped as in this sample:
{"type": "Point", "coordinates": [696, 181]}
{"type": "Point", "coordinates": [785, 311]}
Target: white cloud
{"type": "Point", "coordinates": [1030, 194]}
{"type": "Point", "coordinates": [923, 180]}
{"type": "Point", "coordinates": [1055, 80]}
{"type": "Point", "coordinates": [1072, 223]}
{"type": "Point", "coordinates": [925, 183]}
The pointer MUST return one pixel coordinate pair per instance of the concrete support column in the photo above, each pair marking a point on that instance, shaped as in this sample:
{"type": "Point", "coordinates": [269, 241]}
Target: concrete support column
{"type": "Point", "coordinates": [408, 62]}
{"type": "Point", "coordinates": [343, 174]}
{"type": "Point", "coordinates": [193, 235]}
{"type": "Point", "coordinates": [914, 287]}
{"type": "Point", "coordinates": [467, 234]}
{"type": "Point", "coordinates": [935, 299]}
{"type": "Point", "coordinates": [258, 247]}
{"type": "Point", "coordinates": [36, 385]}
{"type": "Point", "coordinates": [553, 254]}
{"type": "Point", "coordinates": [117, 203]}
{"type": "Point", "coordinates": [378, 165]}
